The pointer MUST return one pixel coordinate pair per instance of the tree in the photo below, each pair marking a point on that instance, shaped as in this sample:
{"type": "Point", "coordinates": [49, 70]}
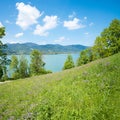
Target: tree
{"type": "Point", "coordinates": [100, 47]}
{"type": "Point", "coordinates": [1, 72]}
{"type": "Point", "coordinates": [68, 63]}
{"type": "Point", "coordinates": [83, 58]}
{"type": "Point", "coordinates": [108, 43]}
{"type": "Point", "coordinates": [23, 67]}
{"type": "Point", "coordinates": [37, 64]}
{"type": "Point", "coordinates": [2, 32]}
{"type": "Point", "coordinates": [14, 63]}
{"type": "Point", "coordinates": [19, 67]}
{"type": "Point", "coordinates": [14, 66]}
{"type": "Point", "coordinates": [3, 56]}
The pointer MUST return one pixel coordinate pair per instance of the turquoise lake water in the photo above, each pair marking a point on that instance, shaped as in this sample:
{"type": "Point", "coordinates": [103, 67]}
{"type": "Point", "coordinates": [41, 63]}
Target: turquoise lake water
{"type": "Point", "coordinates": [55, 62]}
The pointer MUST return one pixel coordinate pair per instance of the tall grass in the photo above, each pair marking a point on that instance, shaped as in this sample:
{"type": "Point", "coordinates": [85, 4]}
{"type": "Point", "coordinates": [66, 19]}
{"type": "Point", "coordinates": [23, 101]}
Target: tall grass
{"type": "Point", "coordinates": [89, 92]}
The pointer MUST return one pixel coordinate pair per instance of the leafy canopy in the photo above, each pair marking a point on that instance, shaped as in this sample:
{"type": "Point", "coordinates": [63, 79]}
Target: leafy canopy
{"type": "Point", "coordinates": [37, 64]}
{"type": "Point", "coordinates": [108, 43]}
{"type": "Point", "coordinates": [3, 56]}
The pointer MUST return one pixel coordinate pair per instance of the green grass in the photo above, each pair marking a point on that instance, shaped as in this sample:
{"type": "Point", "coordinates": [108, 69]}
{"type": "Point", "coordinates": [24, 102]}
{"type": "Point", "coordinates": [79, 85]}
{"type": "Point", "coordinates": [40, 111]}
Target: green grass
{"type": "Point", "coordinates": [89, 92]}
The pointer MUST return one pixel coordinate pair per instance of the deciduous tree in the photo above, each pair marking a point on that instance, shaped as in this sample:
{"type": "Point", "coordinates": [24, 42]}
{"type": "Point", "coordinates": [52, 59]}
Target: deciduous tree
{"type": "Point", "coordinates": [37, 64]}
{"type": "Point", "coordinates": [108, 43]}
{"type": "Point", "coordinates": [14, 67]}
{"type": "Point", "coordinates": [23, 67]}
{"type": "Point", "coordinates": [3, 56]}
{"type": "Point", "coordinates": [68, 63]}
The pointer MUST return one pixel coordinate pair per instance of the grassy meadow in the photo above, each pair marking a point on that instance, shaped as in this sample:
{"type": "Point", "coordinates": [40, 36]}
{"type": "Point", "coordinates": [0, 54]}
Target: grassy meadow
{"type": "Point", "coordinates": [89, 92]}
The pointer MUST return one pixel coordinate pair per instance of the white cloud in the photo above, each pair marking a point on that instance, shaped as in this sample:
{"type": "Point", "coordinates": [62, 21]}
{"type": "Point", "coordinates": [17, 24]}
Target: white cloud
{"type": "Point", "coordinates": [73, 24]}
{"type": "Point", "coordinates": [1, 25]}
{"type": "Point", "coordinates": [91, 24]}
{"type": "Point", "coordinates": [60, 40]}
{"type": "Point", "coordinates": [27, 15]}
{"type": "Point", "coordinates": [40, 30]}
{"type": "Point", "coordinates": [18, 35]}
{"type": "Point", "coordinates": [50, 22]}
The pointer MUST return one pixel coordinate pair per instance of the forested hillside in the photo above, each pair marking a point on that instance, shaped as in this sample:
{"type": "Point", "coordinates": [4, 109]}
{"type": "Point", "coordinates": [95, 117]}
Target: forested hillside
{"type": "Point", "coordinates": [26, 48]}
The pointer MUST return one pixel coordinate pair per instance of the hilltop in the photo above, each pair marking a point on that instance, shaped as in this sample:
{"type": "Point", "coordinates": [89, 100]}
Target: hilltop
{"type": "Point", "coordinates": [88, 92]}
{"type": "Point", "coordinates": [26, 48]}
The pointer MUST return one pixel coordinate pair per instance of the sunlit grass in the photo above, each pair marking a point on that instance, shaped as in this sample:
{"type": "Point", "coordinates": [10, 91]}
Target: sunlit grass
{"type": "Point", "coordinates": [89, 92]}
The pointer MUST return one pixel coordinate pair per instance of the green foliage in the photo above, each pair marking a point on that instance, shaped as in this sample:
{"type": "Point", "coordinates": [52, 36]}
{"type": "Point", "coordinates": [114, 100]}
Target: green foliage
{"type": "Point", "coordinates": [37, 64]}
{"type": "Point", "coordinates": [89, 92]}
{"type": "Point", "coordinates": [68, 63]}
{"type": "Point", "coordinates": [23, 67]}
{"type": "Point", "coordinates": [86, 56]}
{"type": "Point", "coordinates": [2, 32]}
{"type": "Point", "coordinates": [100, 47]}
{"type": "Point", "coordinates": [2, 46]}
{"type": "Point", "coordinates": [1, 72]}
{"type": "Point", "coordinates": [14, 63]}
{"type": "Point", "coordinates": [25, 48]}
{"type": "Point", "coordinates": [83, 59]}
{"type": "Point", "coordinates": [48, 71]}
{"type": "Point", "coordinates": [4, 77]}
{"type": "Point", "coordinates": [114, 36]}
{"type": "Point", "coordinates": [20, 68]}
{"type": "Point", "coordinates": [3, 56]}
{"type": "Point", "coordinates": [14, 66]}
{"type": "Point", "coordinates": [15, 75]}
{"type": "Point", "coordinates": [44, 71]}
{"type": "Point", "coordinates": [108, 43]}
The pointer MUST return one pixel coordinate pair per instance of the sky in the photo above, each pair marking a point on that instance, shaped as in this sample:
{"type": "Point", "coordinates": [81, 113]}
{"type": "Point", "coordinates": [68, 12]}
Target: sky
{"type": "Point", "coordinates": [62, 22]}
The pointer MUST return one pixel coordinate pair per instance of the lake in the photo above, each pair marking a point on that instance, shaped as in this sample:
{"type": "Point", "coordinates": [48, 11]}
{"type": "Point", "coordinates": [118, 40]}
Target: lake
{"type": "Point", "coordinates": [55, 62]}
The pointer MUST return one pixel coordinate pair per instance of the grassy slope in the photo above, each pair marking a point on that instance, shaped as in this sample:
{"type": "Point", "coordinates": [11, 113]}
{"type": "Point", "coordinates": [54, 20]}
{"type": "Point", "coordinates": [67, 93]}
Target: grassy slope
{"type": "Point", "coordinates": [89, 92]}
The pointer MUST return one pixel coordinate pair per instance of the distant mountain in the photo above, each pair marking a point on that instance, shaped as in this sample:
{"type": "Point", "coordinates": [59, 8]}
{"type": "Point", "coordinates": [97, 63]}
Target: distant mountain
{"type": "Point", "coordinates": [26, 48]}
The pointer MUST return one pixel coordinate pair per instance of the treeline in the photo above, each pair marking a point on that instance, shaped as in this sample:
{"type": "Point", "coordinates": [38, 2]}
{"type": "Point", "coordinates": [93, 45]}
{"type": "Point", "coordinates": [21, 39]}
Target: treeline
{"type": "Point", "coordinates": [3, 57]}
{"type": "Point", "coordinates": [22, 68]}
{"type": "Point", "coordinates": [19, 67]}
{"type": "Point", "coordinates": [107, 44]}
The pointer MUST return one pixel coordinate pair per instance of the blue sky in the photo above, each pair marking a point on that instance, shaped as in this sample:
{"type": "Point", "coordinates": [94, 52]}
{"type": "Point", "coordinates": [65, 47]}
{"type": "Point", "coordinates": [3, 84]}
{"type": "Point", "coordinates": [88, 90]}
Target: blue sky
{"type": "Point", "coordinates": [56, 21]}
